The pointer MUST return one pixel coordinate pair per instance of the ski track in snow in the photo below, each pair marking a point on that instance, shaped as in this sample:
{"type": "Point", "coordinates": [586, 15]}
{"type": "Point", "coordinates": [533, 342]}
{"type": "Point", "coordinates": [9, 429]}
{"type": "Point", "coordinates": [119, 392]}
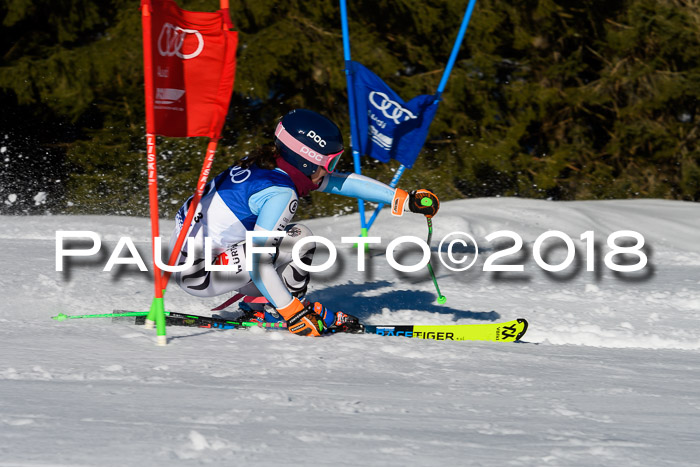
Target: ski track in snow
{"type": "Point", "coordinates": [608, 375]}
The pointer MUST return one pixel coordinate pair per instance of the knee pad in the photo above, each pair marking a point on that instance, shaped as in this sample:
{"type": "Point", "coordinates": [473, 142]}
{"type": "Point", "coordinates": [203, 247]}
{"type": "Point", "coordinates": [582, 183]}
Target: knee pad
{"type": "Point", "coordinates": [294, 233]}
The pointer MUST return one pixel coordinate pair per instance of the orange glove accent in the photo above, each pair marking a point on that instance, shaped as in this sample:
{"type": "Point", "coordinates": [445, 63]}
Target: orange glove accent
{"type": "Point", "coordinates": [399, 202]}
{"type": "Point", "coordinates": [301, 319]}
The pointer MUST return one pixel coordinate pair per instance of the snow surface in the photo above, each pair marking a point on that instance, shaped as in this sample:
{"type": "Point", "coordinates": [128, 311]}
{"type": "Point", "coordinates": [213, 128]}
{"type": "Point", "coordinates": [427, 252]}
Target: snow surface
{"type": "Point", "coordinates": [609, 373]}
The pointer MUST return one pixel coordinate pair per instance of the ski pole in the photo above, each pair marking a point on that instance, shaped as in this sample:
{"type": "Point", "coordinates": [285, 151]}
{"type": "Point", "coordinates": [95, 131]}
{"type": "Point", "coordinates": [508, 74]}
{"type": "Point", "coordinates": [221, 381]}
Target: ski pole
{"type": "Point", "coordinates": [441, 298]}
{"type": "Point", "coordinates": [173, 315]}
{"type": "Point", "coordinates": [63, 316]}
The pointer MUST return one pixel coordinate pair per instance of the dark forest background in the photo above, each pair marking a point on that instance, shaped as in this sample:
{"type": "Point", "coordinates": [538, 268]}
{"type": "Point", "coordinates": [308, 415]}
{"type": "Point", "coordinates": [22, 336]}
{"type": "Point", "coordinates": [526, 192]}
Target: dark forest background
{"type": "Point", "coordinates": [584, 99]}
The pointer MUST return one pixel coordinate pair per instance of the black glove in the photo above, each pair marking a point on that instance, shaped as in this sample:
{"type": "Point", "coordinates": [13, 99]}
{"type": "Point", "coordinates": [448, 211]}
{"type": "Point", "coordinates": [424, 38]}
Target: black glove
{"type": "Point", "coordinates": [423, 202]}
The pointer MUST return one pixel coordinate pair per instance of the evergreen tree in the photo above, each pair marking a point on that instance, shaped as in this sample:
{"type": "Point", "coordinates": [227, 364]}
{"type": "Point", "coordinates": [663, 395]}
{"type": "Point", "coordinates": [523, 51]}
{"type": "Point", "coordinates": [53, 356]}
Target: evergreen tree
{"type": "Point", "coordinates": [561, 99]}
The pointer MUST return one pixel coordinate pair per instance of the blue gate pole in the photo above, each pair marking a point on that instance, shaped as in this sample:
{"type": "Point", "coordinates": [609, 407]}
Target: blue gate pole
{"type": "Point", "coordinates": [441, 87]}
{"type": "Point", "coordinates": [455, 49]}
{"type": "Point", "coordinates": [354, 136]}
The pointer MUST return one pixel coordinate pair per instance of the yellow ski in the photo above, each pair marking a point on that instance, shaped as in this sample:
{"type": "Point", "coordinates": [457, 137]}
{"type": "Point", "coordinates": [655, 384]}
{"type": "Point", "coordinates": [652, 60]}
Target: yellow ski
{"type": "Point", "coordinates": [509, 331]}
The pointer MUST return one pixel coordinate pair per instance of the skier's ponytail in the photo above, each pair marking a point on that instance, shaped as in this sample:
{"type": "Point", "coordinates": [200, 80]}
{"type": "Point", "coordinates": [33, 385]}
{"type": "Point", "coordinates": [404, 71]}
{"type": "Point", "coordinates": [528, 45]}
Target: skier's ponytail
{"type": "Point", "coordinates": [263, 157]}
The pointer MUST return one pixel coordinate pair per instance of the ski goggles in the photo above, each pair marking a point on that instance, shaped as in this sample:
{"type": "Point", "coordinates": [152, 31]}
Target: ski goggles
{"type": "Point", "coordinates": [327, 161]}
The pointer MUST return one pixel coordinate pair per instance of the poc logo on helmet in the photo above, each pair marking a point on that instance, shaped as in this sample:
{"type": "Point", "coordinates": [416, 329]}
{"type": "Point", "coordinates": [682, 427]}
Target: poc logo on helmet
{"type": "Point", "coordinates": [320, 141]}
{"type": "Point", "coordinates": [311, 153]}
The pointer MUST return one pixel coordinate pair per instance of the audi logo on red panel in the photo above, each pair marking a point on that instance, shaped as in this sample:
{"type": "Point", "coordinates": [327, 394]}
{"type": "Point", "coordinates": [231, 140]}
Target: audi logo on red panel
{"type": "Point", "coordinates": [171, 39]}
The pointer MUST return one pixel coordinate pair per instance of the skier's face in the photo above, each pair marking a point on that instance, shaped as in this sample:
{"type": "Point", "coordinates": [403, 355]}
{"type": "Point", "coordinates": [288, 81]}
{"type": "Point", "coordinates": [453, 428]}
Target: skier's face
{"type": "Point", "coordinates": [317, 176]}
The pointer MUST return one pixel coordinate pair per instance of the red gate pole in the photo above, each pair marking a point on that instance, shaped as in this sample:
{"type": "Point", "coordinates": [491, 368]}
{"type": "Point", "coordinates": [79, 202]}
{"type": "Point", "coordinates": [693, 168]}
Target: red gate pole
{"type": "Point", "coordinates": [201, 185]}
{"type": "Point", "coordinates": [157, 312]}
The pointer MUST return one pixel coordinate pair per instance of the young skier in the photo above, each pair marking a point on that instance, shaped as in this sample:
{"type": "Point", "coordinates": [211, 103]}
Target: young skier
{"type": "Point", "coordinates": [260, 193]}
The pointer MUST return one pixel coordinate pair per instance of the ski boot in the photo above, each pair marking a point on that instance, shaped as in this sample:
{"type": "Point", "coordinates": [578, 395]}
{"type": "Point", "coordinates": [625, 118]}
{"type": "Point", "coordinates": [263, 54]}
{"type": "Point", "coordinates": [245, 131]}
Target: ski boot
{"type": "Point", "coordinates": [338, 321]}
{"type": "Point", "coordinates": [258, 310]}
{"type": "Point", "coordinates": [251, 309]}
{"type": "Point", "coordinates": [346, 323]}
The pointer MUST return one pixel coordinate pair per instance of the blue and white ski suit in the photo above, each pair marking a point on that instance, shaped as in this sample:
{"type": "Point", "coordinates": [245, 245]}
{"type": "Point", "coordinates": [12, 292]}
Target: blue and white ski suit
{"type": "Point", "coordinates": [239, 200]}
